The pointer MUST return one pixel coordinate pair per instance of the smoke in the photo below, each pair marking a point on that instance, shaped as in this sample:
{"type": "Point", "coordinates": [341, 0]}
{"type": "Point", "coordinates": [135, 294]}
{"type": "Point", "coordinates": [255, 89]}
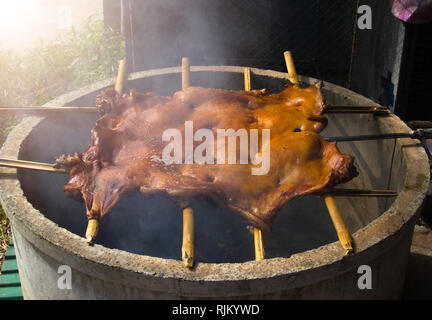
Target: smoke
{"type": "Point", "coordinates": [208, 32]}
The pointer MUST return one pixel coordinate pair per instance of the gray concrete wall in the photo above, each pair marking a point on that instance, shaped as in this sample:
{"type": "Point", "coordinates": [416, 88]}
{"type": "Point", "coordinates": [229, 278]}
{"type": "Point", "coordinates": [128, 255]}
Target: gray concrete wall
{"type": "Point", "coordinates": [377, 57]}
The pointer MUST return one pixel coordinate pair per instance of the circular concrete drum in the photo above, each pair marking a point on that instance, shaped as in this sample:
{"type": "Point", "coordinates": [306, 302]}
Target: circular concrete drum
{"type": "Point", "coordinates": [138, 250]}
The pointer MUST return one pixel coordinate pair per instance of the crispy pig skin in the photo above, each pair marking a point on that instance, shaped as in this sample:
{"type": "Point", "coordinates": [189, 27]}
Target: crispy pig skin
{"type": "Point", "coordinates": [127, 141]}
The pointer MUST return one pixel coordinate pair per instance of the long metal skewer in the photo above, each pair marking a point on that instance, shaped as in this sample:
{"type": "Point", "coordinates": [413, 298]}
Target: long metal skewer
{"type": "Point", "coordinates": [339, 192]}
{"type": "Point", "coordinates": [415, 134]}
{"type": "Point", "coordinates": [341, 230]}
{"type": "Point", "coordinates": [377, 110]}
{"type": "Point", "coordinates": [91, 109]}
{"type": "Point", "coordinates": [188, 245]}
{"type": "Point", "coordinates": [42, 166]}
{"type": "Point", "coordinates": [258, 239]}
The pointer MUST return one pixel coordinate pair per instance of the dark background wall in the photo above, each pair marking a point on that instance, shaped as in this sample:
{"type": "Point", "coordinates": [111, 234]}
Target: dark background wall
{"type": "Point", "coordinates": [377, 54]}
{"type": "Point", "coordinates": [249, 33]}
{"type": "Point", "coordinates": [415, 83]}
{"type": "Point", "coordinates": [388, 63]}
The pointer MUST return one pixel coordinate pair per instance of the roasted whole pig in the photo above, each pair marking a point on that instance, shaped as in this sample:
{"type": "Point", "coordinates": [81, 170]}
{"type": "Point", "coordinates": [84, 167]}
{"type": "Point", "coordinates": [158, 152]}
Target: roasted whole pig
{"type": "Point", "coordinates": [175, 146]}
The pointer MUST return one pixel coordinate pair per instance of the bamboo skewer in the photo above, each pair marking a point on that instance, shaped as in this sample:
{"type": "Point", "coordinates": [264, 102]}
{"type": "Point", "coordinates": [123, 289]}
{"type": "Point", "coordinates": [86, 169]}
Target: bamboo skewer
{"type": "Point", "coordinates": [258, 240]}
{"type": "Point", "coordinates": [185, 73]}
{"type": "Point", "coordinates": [247, 79]}
{"type": "Point", "coordinates": [292, 73]}
{"type": "Point", "coordinates": [47, 109]}
{"type": "Point", "coordinates": [293, 77]}
{"type": "Point", "coordinates": [92, 230]}
{"type": "Point", "coordinates": [21, 164]}
{"type": "Point", "coordinates": [188, 245]}
{"type": "Point", "coordinates": [42, 166]}
{"type": "Point", "coordinates": [341, 230]}
{"type": "Point", "coordinates": [259, 245]}
{"type": "Point", "coordinates": [93, 224]}
{"type": "Point", "coordinates": [121, 75]}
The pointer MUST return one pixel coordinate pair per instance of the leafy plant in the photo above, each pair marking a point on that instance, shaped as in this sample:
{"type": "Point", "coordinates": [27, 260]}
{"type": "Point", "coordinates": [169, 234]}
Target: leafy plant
{"type": "Point", "coordinates": [74, 59]}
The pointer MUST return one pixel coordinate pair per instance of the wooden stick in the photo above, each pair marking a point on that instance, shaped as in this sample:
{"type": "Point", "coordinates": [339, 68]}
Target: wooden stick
{"type": "Point", "coordinates": [92, 230]}
{"type": "Point", "coordinates": [259, 245]}
{"type": "Point", "coordinates": [185, 73]}
{"type": "Point", "coordinates": [43, 166]}
{"type": "Point", "coordinates": [247, 79]}
{"type": "Point", "coordinates": [258, 240]}
{"type": "Point", "coordinates": [10, 163]}
{"type": "Point", "coordinates": [341, 230]}
{"type": "Point", "coordinates": [47, 109]}
{"type": "Point", "coordinates": [121, 75]}
{"type": "Point", "coordinates": [293, 77]}
{"type": "Point", "coordinates": [93, 223]}
{"type": "Point", "coordinates": [188, 246]}
{"type": "Point", "coordinates": [292, 73]}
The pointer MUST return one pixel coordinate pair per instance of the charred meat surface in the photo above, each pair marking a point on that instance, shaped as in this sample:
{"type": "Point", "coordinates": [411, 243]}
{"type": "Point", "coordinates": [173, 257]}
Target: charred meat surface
{"type": "Point", "coordinates": [126, 150]}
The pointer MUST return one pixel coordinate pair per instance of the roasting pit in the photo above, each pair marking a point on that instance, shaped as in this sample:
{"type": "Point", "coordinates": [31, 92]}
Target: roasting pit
{"type": "Point", "coordinates": [137, 254]}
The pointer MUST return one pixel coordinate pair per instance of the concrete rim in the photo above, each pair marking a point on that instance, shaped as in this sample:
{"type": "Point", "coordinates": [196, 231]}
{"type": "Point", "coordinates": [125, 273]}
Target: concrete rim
{"type": "Point", "coordinates": [140, 270]}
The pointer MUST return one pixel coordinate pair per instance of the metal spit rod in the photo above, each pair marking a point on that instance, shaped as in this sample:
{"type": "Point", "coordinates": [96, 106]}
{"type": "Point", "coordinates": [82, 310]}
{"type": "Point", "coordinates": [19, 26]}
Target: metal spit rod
{"type": "Point", "coordinates": [50, 167]}
{"type": "Point", "coordinates": [414, 134]}
{"type": "Point", "coordinates": [63, 109]}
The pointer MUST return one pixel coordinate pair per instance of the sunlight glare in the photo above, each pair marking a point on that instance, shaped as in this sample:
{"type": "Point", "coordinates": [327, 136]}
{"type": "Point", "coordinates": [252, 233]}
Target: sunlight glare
{"type": "Point", "coordinates": [20, 21]}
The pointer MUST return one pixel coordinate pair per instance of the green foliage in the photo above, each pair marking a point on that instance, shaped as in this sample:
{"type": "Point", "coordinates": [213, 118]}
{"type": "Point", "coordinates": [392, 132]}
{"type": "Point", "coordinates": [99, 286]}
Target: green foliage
{"type": "Point", "coordinates": [72, 60]}
{"type": "Point", "coordinates": [5, 233]}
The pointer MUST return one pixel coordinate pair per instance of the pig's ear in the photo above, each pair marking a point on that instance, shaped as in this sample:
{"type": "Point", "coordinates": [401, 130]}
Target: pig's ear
{"type": "Point", "coordinates": [319, 84]}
